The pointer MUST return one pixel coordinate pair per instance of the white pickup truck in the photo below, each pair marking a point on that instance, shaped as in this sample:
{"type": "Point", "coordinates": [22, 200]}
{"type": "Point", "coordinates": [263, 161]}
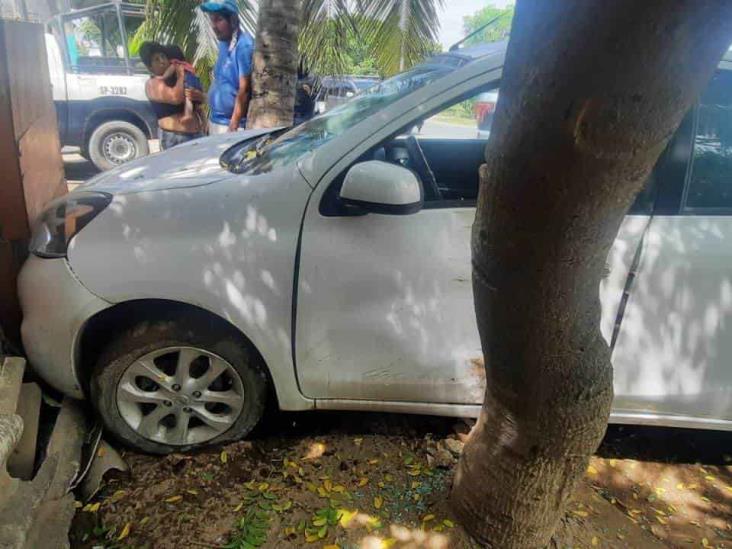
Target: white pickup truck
{"type": "Point", "coordinates": [98, 84]}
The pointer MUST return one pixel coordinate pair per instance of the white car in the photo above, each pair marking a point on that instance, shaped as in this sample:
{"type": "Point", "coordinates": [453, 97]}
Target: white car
{"type": "Point", "coordinates": [328, 267]}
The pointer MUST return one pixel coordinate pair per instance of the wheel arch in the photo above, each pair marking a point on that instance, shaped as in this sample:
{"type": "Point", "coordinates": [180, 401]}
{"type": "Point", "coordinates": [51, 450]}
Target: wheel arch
{"type": "Point", "coordinates": [100, 329]}
{"type": "Point", "coordinates": [103, 115]}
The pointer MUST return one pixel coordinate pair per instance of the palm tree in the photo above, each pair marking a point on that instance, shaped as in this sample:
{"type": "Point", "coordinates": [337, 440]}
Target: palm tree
{"type": "Point", "coordinates": [399, 33]}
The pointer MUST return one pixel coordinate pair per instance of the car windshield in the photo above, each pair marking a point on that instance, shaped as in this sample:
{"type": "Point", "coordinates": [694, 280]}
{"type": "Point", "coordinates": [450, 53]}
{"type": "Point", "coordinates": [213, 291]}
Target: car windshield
{"type": "Point", "coordinates": [290, 146]}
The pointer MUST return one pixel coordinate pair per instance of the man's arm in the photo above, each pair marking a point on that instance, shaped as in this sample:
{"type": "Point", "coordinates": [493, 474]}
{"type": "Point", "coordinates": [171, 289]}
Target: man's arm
{"type": "Point", "coordinates": [242, 103]}
{"type": "Point", "coordinates": [158, 91]}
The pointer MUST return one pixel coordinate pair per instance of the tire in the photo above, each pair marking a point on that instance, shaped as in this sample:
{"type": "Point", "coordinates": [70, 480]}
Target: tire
{"type": "Point", "coordinates": [113, 143]}
{"type": "Point", "coordinates": [117, 366]}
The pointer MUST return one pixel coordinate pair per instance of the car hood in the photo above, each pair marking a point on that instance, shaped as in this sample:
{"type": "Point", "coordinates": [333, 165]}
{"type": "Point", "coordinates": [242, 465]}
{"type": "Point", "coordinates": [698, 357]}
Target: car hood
{"type": "Point", "coordinates": [188, 165]}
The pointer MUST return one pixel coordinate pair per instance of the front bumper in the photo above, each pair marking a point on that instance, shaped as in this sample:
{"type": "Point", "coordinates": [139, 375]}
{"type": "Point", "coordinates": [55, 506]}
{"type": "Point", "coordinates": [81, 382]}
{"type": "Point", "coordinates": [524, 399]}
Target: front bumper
{"type": "Point", "coordinates": [56, 306]}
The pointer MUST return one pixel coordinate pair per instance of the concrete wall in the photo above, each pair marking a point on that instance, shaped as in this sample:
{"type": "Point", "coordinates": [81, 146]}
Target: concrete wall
{"type": "Point", "coordinates": [32, 10]}
{"type": "Point", "coordinates": [31, 172]}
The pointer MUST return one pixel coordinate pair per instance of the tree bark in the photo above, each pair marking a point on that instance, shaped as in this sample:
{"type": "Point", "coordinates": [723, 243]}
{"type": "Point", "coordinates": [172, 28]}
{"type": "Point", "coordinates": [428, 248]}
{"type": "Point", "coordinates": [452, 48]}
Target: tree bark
{"type": "Point", "coordinates": [591, 92]}
{"type": "Point", "coordinates": [274, 74]}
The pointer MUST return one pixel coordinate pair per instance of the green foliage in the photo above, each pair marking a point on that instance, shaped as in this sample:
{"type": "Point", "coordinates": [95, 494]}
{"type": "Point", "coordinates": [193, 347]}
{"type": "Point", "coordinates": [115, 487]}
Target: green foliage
{"type": "Point", "coordinates": [499, 30]}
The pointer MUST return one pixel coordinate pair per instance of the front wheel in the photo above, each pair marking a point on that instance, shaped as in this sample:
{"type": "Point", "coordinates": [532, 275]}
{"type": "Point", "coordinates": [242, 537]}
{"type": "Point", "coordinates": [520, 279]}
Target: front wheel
{"type": "Point", "coordinates": [164, 387]}
{"type": "Point", "coordinates": [116, 142]}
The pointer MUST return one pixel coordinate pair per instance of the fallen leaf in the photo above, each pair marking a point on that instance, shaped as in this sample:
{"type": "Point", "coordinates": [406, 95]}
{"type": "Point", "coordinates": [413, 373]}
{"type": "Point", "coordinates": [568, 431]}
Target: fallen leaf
{"type": "Point", "coordinates": [363, 482]}
{"type": "Point", "coordinates": [416, 497]}
{"type": "Point", "coordinates": [92, 507]}
{"type": "Point", "coordinates": [378, 502]}
{"type": "Point", "coordinates": [323, 531]}
{"type": "Point", "coordinates": [317, 449]}
{"type": "Point", "coordinates": [388, 542]}
{"type": "Point", "coordinates": [705, 542]}
{"type": "Point", "coordinates": [332, 546]}
{"type": "Point", "coordinates": [621, 536]}
{"type": "Point", "coordinates": [311, 538]}
{"type": "Point", "coordinates": [710, 478]}
{"type": "Point", "coordinates": [173, 499]}
{"type": "Point", "coordinates": [357, 441]}
{"type": "Point", "coordinates": [581, 513]}
{"type": "Point", "coordinates": [680, 486]}
{"type": "Point", "coordinates": [224, 457]}
{"type": "Point", "coordinates": [388, 478]}
{"type": "Point", "coordinates": [448, 523]}
{"type": "Point", "coordinates": [595, 541]}
{"type": "Point", "coordinates": [263, 486]}
{"type": "Point", "coordinates": [416, 484]}
{"type": "Point", "coordinates": [78, 504]}
{"type": "Point", "coordinates": [144, 521]}
{"type": "Point", "coordinates": [381, 484]}
{"type": "Point", "coordinates": [661, 520]}
{"type": "Point", "coordinates": [192, 492]}
{"type": "Point", "coordinates": [373, 461]}
{"type": "Point", "coordinates": [428, 518]}
{"type": "Point", "coordinates": [125, 532]}
{"type": "Point", "coordinates": [591, 470]}
{"type": "Point", "coordinates": [320, 521]}
{"type": "Point", "coordinates": [238, 507]}
{"type": "Point", "coordinates": [612, 462]}
{"type": "Point", "coordinates": [339, 489]}
{"type": "Point", "coordinates": [346, 517]}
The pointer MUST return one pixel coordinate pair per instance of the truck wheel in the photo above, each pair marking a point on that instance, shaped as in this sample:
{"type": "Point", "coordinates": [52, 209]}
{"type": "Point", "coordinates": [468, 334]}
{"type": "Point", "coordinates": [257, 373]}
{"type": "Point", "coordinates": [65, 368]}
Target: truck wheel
{"type": "Point", "coordinates": [171, 386]}
{"type": "Point", "coordinates": [116, 142]}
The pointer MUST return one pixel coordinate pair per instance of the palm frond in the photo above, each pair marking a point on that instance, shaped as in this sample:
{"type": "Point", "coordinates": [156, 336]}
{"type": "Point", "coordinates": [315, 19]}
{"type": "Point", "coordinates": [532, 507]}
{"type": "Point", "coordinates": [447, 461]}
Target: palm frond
{"type": "Point", "coordinates": [401, 32]}
{"type": "Point", "coordinates": [324, 35]}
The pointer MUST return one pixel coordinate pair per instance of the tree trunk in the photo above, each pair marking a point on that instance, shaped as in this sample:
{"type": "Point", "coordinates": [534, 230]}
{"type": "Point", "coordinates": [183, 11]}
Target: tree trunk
{"type": "Point", "coordinates": [591, 93]}
{"type": "Point", "coordinates": [274, 73]}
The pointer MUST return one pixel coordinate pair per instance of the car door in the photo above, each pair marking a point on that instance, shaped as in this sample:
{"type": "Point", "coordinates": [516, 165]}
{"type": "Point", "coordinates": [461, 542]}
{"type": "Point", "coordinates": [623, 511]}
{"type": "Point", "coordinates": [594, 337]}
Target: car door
{"type": "Point", "coordinates": [674, 347]}
{"type": "Point", "coordinates": [385, 303]}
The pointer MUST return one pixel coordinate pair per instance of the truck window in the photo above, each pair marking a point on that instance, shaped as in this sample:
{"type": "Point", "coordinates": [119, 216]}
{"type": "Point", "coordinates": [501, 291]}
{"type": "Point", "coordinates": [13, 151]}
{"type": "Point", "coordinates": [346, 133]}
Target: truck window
{"type": "Point", "coordinates": [94, 43]}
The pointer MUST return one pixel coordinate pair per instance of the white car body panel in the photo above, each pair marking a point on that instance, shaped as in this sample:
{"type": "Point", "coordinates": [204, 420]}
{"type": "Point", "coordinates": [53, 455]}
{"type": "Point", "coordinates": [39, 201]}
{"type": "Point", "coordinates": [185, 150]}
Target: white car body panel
{"type": "Point", "coordinates": [227, 247]}
{"type": "Point", "coordinates": [672, 356]}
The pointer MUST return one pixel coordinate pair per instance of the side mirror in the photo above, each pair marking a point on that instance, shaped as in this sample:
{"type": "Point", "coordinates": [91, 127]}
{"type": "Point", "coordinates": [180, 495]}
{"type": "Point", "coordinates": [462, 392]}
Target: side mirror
{"type": "Point", "coordinates": [380, 187]}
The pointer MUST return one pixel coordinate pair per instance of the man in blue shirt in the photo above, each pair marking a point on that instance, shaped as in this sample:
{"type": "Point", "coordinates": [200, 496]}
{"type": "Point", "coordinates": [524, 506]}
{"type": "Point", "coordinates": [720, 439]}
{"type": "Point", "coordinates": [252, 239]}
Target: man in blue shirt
{"type": "Point", "coordinates": [228, 97]}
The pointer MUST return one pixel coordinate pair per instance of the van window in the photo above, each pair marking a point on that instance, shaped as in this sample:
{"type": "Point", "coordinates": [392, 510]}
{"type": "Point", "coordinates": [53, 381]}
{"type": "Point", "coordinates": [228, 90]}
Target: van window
{"type": "Point", "coordinates": [710, 181]}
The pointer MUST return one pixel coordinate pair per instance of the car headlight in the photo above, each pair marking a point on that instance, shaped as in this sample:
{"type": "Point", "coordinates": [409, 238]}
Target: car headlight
{"type": "Point", "coordinates": [63, 219]}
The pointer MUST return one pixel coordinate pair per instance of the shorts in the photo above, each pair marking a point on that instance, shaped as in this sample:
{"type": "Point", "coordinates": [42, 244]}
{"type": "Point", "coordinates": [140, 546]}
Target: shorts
{"type": "Point", "coordinates": [170, 139]}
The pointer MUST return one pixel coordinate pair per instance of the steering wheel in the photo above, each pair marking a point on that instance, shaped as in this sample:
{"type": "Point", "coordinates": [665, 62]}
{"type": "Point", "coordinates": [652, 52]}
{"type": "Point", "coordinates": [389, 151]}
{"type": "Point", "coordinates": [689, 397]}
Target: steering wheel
{"type": "Point", "coordinates": [422, 167]}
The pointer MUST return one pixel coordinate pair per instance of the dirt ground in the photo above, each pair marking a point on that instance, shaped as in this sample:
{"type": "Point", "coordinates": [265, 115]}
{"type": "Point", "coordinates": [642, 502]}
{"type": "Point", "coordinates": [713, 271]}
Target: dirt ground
{"type": "Point", "coordinates": [376, 481]}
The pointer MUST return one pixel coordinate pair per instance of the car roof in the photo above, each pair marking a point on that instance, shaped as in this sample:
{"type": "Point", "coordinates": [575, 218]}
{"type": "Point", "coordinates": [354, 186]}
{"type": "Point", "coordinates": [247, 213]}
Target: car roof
{"type": "Point", "coordinates": [461, 56]}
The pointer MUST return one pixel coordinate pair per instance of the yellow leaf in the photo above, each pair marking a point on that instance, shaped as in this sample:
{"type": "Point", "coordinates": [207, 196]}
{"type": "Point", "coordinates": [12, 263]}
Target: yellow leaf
{"type": "Point", "coordinates": [612, 463]}
{"type": "Point", "coordinates": [118, 495]}
{"type": "Point", "coordinates": [125, 532]}
{"type": "Point", "coordinates": [224, 457]}
{"type": "Point", "coordinates": [328, 485]}
{"type": "Point", "coordinates": [311, 538]}
{"type": "Point", "coordinates": [301, 471]}
{"type": "Point", "coordinates": [448, 523]}
{"type": "Point", "coordinates": [378, 502]}
{"type": "Point", "coordinates": [413, 473]}
{"type": "Point", "coordinates": [661, 520]}
{"type": "Point", "coordinates": [581, 513]}
{"type": "Point", "coordinates": [706, 499]}
{"type": "Point", "coordinates": [263, 486]}
{"type": "Point", "coordinates": [373, 461]}
{"type": "Point", "coordinates": [192, 492]}
{"type": "Point", "coordinates": [78, 505]}
{"type": "Point", "coordinates": [332, 546]}
{"type": "Point", "coordinates": [416, 497]}
{"type": "Point", "coordinates": [311, 487]}
{"type": "Point", "coordinates": [416, 484]}
{"type": "Point", "coordinates": [680, 486]}
{"type": "Point", "coordinates": [621, 536]}
{"type": "Point", "coordinates": [363, 482]}
{"type": "Point", "coordinates": [428, 518]}
{"type": "Point", "coordinates": [693, 486]}
{"type": "Point", "coordinates": [357, 441]}
{"type": "Point", "coordinates": [91, 507]}
{"type": "Point", "coordinates": [338, 489]}
{"type": "Point", "coordinates": [659, 512]}
{"type": "Point", "coordinates": [144, 521]}
{"type": "Point", "coordinates": [591, 470]}
{"type": "Point", "coordinates": [660, 491]}
{"type": "Point", "coordinates": [705, 542]}
{"type": "Point", "coordinates": [388, 478]}
{"type": "Point", "coordinates": [346, 517]}
{"type": "Point", "coordinates": [710, 478]}
{"type": "Point", "coordinates": [238, 507]}
{"type": "Point", "coordinates": [388, 542]}
{"type": "Point", "coordinates": [595, 541]}
{"type": "Point", "coordinates": [381, 484]}
{"type": "Point", "coordinates": [322, 493]}
{"type": "Point", "coordinates": [635, 511]}
{"type": "Point", "coordinates": [173, 499]}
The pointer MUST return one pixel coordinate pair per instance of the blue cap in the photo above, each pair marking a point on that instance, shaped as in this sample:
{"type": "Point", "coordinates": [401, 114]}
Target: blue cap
{"type": "Point", "coordinates": [225, 7]}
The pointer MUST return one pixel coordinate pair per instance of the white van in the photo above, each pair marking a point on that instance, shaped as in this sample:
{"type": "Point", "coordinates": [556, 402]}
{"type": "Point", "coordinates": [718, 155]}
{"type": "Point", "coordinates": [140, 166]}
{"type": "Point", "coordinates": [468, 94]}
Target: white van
{"type": "Point", "coordinates": [98, 86]}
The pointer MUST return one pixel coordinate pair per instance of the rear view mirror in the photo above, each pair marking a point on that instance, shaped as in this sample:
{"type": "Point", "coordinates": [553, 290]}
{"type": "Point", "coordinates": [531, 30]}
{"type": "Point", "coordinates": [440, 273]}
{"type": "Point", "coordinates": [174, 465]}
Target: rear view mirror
{"type": "Point", "coordinates": [380, 187]}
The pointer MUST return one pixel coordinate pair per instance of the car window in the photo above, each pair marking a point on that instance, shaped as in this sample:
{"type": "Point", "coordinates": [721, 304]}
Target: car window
{"type": "Point", "coordinates": [94, 43]}
{"type": "Point", "coordinates": [321, 129]}
{"type": "Point", "coordinates": [468, 119]}
{"type": "Point", "coordinates": [710, 178]}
